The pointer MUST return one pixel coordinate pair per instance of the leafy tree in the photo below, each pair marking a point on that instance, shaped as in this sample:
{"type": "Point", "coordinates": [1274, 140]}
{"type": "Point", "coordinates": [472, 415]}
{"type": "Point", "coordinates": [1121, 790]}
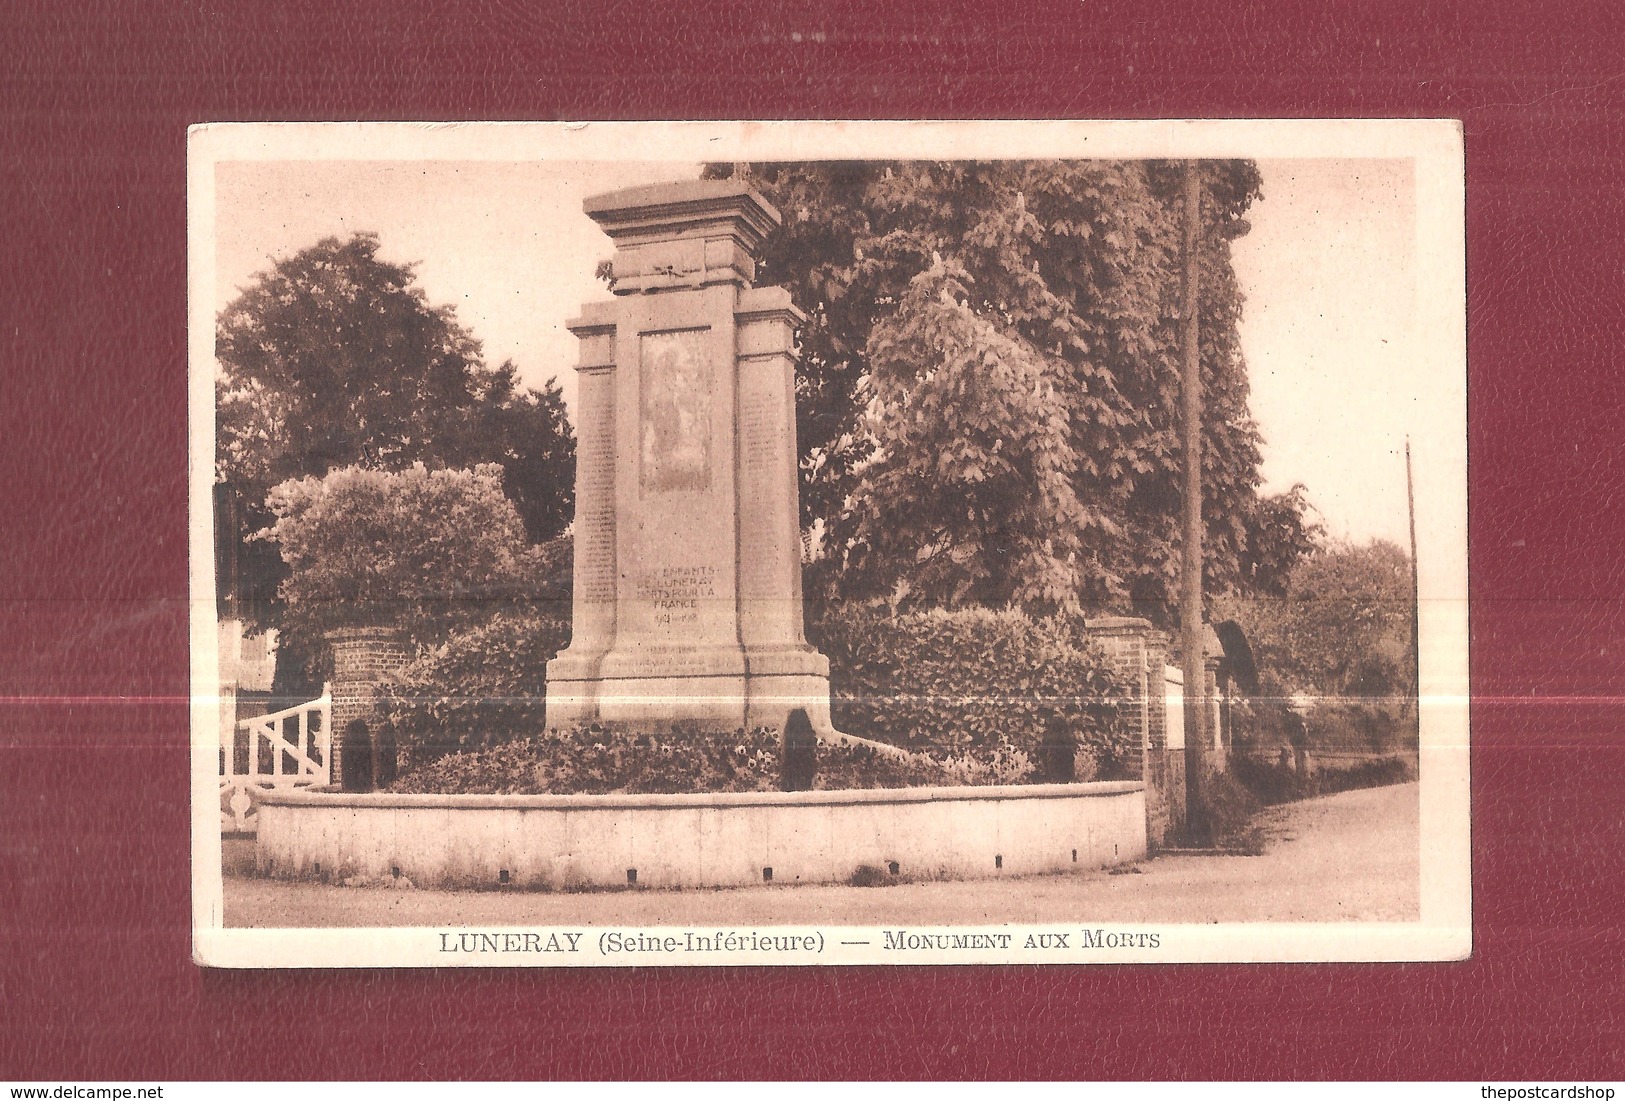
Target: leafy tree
{"type": "Point", "coordinates": [988, 405]}
{"type": "Point", "coordinates": [1280, 532]}
{"type": "Point", "coordinates": [528, 434]}
{"type": "Point", "coordinates": [334, 357]}
{"type": "Point", "coordinates": [431, 551]}
{"type": "Point", "coordinates": [1342, 628]}
{"type": "Point", "coordinates": [983, 419]}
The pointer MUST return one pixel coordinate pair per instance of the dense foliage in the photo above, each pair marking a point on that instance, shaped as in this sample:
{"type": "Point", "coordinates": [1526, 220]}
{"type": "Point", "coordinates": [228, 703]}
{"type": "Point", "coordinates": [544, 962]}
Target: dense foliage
{"type": "Point", "coordinates": [988, 393]}
{"type": "Point", "coordinates": [508, 768]}
{"type": "Point", "coordinates": [597, 760]}
{"type": "Point", "coordinates": [845, 766]}
{"type": "Point", "coordinates": [427, 550]}
{"type": "Point", "coordinates": [1342, 627]}
{"type": "Point", "coordinates": [1272, 782]}
{"type": "Point", "coordinates": [334, 357]}
{"type": "Point", "coordinates": [604, 760]}
{"type": "Point", "coordinates": [482, 686]}
{"type": "Point", "coordinates": [978, 696]}
{"type": "Point", "coordinates": [1341, 635]}
{"type": "Point", "coordinates": [978, 683]}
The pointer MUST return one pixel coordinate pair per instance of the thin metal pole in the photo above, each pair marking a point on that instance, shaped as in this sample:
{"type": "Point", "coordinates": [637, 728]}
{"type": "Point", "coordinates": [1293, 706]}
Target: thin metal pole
{"type": "Point", "coordinates": [1191, 637]}
{"type": "Point", "coordinates": [1416, 597]}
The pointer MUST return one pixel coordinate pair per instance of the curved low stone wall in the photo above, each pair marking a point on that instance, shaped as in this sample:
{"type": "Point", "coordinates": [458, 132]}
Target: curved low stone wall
{"type": "Point", "coordinates": [724, 840]}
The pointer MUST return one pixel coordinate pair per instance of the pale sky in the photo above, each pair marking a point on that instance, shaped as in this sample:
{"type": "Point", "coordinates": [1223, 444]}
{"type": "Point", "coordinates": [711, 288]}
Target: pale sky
{"type": "Point", "coordinates": [1328, 329]}
{"type": "Point", "coordinates": [1329, 271]}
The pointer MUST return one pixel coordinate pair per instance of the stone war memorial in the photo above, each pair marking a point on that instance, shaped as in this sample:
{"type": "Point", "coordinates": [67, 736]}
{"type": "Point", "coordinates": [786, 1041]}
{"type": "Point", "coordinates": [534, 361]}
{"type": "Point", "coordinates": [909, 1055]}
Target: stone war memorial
{"type": "Point", "coordinates": [687, 602]}
{"type": "Point", "coordinates": [687, 623]}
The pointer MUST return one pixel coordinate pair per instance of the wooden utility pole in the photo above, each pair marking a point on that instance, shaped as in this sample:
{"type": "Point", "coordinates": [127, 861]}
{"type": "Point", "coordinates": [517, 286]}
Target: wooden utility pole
{"type": "Point", "coordinates": [1416, 597]}
{"type": "Point", "coordinates": [1190, 610]}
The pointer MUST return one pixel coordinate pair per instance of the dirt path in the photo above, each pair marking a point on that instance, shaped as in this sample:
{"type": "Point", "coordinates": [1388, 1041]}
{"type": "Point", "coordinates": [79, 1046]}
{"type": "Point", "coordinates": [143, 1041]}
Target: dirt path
{"type": "Point", "coordinates": [1348, 857]}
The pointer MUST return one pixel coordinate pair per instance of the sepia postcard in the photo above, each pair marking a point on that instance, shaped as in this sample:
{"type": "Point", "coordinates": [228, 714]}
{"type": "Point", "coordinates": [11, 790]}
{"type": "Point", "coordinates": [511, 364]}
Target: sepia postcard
{"type": "Point", "coordinates": [818, 543]}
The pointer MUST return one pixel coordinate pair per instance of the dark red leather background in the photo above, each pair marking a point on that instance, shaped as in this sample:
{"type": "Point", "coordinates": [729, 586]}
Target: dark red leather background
{"type": "Point", "coordinates": [95, 975]}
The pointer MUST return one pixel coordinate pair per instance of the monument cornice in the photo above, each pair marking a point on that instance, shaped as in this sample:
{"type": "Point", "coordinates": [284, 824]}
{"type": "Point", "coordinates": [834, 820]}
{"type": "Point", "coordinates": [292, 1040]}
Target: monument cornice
{"type": "Point", "coordinates": [765, 305]}
{"type": "Point", "coordinates": [691, 208]}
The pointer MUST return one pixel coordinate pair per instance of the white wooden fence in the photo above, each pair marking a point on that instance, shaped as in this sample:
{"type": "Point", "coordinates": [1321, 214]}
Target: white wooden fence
{"type": "Point", "coordinates": [288, 748]}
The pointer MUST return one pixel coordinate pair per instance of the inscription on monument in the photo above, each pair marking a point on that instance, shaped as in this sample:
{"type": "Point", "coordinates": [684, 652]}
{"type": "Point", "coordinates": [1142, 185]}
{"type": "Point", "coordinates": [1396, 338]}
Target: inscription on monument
{"type": "Point", "coordinates": [758, 428]}
{"type": "Point", "coordinates": [675, 592]}
{"type": "Point", "coordinates": [675, 428]}
{"type": "Point", "coordinates": [595, 541]}
{"type": "Point", "coordinates": [760, 443]}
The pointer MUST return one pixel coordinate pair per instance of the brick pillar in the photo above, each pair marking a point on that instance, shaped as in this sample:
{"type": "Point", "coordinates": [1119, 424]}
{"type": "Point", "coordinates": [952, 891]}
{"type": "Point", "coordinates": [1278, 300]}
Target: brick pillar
{"type": "Point", "coordinates": [362, 658]}
{"type": "Point", "coordinates": [1123, 640]}
{"type": "Point", "coordinates": [1138, 652]}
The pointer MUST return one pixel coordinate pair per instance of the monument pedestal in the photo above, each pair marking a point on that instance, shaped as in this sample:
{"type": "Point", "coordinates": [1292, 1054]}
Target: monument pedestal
{"type": "Point", "coordinates": [687, 599]}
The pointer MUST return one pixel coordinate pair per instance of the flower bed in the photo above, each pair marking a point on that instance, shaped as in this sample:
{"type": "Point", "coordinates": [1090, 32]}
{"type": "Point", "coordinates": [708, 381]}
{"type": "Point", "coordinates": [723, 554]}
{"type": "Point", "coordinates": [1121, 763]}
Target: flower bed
{"type": "Point", "coordinates": [600, 760]}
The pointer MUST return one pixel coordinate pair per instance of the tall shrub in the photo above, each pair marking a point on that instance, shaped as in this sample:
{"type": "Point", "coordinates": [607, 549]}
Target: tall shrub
{"type": "Point", "coordinates": [484, 686]}
{"type": "Point", "coordinates": [974, 682]}
{"type": "Point", "coordinates": [425, 550]}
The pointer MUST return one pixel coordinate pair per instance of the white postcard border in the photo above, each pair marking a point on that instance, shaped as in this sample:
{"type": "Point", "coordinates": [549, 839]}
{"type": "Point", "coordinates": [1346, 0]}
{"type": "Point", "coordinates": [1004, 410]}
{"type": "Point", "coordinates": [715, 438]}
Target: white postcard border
{"type": "Point", "coordinates": [1444, 931]}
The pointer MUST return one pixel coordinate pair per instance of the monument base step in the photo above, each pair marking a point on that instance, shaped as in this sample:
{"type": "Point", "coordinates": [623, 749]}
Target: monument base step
{"type": "Point", "coordinates": [718, 703]}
